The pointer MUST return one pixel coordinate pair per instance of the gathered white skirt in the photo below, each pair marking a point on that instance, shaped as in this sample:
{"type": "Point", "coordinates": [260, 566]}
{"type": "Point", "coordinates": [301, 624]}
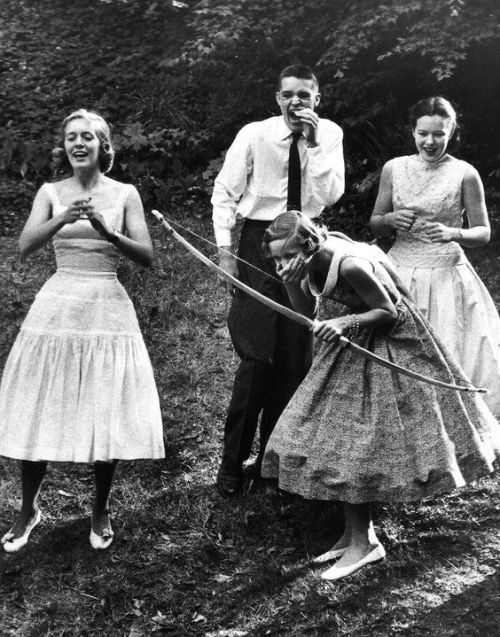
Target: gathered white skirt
{"type": "Point", "coordinates": [78, 384]}
{"type": "Point", "coordinates": [451, 296]}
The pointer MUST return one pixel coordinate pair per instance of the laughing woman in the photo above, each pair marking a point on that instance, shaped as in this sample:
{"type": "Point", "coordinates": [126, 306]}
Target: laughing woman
{"type": "Point", "coordinates": [355, 431]}
{"type": "Point", "coordinates": [78, 384]}
{"type": "Point", "coordinates": [423, 199]}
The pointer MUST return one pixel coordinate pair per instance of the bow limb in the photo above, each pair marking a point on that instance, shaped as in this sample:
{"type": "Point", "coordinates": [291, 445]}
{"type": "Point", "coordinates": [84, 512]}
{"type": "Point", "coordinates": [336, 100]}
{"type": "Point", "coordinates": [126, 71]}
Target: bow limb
{"type": "Point", "coordinates": [408, 372]}
{"type": "Point", "coordinates": [304, 320]}
{"type": "Point", "coordinates": [224, 250]}
{"type": "Point", "coordinates": [286, 311]}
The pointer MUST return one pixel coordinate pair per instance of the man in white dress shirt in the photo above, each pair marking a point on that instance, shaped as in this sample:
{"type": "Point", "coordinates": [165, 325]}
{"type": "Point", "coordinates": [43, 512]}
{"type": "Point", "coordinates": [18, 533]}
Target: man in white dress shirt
{"type": "Point", "coordinates": [292, 161]}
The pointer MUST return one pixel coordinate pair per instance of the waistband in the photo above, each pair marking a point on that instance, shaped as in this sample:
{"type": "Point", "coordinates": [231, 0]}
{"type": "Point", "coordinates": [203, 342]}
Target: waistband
{"type": "Point", "coordinates": [257, 223]}
{"type": "Point", "coordinates": [81, 273]}
{"type": "Point", "coordinates": [262, 223]}
{"type": "Point", "coordinates": [416, 260]}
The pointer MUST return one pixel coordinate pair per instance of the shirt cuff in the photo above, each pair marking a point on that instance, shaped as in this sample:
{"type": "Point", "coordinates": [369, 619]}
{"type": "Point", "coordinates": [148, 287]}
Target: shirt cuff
{"type": "Point", "coordinates": [223, 236]}
{"type": "Point", "coordinates": [313, 150]}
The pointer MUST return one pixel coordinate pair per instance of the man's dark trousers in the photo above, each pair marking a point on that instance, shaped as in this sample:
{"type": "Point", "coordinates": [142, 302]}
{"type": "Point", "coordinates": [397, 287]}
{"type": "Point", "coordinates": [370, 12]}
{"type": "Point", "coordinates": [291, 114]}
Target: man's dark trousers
{"type": "Point", "coordinates": [275, 353]}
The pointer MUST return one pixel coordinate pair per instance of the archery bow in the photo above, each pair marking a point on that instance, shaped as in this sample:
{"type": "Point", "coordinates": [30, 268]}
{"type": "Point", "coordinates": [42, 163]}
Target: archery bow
{"type": "Point", "coordinates": [304, 320]}
{"type": "Point", "coordinates": [220, 249]}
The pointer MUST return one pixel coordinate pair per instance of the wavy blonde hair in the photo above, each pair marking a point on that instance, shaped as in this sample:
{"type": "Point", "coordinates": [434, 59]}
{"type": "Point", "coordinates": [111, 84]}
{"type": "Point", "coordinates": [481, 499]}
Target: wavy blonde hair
{"type": "Point", "coordinates": [103, 133]}
{"type": "Point", "coordinates": [295, 226]}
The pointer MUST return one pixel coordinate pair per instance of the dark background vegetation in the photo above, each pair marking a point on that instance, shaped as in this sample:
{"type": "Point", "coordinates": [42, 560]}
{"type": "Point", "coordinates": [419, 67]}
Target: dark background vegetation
{"type": "Point", "coordinates": [177, 80]}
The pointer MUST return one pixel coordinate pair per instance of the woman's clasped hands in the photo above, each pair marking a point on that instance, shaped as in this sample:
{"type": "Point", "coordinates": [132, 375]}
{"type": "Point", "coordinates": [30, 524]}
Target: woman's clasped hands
{"type": "Point", "coordinates": [437, 232]}
{"type": "Point", "coordinates": [78, 209]}
{"type": "Point", "coordinates": [433, 231]}
{"type": "Point", "coordinates": [100, 224]}
{"type": "Point", "coordinates": [401, 219]}
{"type": "Point", "coordinates": [83, 209]}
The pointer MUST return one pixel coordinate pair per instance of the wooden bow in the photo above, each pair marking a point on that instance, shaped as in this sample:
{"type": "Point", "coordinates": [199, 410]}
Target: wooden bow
{"type": "Point", "coordinates": [304, 320]}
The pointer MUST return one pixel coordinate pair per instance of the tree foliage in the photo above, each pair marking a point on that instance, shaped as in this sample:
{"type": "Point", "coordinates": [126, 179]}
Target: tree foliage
{"type": "Point", "coordinates": [58, 56]}
{"type": "Point", "coordinates": [178, 79]}
{"type": "Point", "coordinates": [374, 59]}
{"type": "Point", "coordinates": [440, 30]}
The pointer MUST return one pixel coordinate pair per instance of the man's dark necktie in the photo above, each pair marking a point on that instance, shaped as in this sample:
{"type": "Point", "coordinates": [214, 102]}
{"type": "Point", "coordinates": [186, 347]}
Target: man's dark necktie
{"type": "Point", "coordinates": [293, 200]}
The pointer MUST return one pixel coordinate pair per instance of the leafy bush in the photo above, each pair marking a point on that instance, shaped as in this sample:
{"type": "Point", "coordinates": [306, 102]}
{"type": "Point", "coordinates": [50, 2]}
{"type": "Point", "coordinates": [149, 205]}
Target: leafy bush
{"type": "Point", "coordinates": [375, 59]}
{"type": "Point", "coordinates": [177, 80]}
{"type": "Point", "coordinates": [51, 66]}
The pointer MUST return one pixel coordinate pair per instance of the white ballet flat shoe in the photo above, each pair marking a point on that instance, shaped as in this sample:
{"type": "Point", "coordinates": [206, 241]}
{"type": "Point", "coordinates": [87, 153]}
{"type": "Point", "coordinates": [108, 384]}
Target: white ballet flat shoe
{"type": "Point", "coordinates": [101, 542]}
{"type": "Point", "coordinates": [11, 544]}
{"type": "Point", "coordinates": [329, 555]}
{"type": "Point", "coordinates": [337, 572]}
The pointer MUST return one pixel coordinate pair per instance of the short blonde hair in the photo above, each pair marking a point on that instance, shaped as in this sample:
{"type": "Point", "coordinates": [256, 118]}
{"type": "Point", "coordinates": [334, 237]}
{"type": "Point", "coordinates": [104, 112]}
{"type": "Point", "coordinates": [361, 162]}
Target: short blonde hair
{"type": "Point", "coordinates": [294, 225]}
{"type": "Point", "coordinates": [103, 133]}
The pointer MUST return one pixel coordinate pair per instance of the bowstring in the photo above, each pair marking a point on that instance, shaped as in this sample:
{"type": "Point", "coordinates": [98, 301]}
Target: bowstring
{"type": "Point", "coordinates": [456, 374]}
{"type": "Point", "coordinates": [211, 243]}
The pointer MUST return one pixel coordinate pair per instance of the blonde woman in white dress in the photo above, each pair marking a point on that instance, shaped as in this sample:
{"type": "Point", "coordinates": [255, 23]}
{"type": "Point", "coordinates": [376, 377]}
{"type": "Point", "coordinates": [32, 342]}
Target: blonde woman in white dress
{"type": "Point", "coordinates": [424, 199]}
{"type": "Point", "coordinates": [78, 384]}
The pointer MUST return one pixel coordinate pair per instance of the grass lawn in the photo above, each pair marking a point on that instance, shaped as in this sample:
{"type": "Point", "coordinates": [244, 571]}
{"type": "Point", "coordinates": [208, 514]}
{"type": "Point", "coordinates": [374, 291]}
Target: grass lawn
{"type": "Point", "coordinates": [187, 562]}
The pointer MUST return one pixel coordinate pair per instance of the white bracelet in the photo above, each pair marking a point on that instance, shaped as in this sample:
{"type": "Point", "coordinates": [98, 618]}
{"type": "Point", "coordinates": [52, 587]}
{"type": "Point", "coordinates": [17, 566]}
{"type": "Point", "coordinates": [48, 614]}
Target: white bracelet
{"type": "Point", "coordinates": [354, 327]}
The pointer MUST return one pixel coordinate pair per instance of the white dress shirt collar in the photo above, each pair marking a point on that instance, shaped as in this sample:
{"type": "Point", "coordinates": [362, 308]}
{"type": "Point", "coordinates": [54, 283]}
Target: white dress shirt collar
{"type": "Point", "coordinates": [282, 130]}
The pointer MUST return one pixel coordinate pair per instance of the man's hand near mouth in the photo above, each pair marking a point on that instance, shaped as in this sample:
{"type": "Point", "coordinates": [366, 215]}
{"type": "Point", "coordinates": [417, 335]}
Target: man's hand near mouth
{"type": "Point", "coordinates": [309, 121]}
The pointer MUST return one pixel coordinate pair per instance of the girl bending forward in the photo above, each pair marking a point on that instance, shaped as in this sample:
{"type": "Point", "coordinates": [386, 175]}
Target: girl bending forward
{"type": "Point", "coordinates": [356, 431]}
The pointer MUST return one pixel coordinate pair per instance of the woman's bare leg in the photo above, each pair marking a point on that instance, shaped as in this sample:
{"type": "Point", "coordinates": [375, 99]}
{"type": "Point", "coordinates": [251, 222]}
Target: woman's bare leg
{"type": "Point", "coordinates": [32, 474]}
{"type": "Point", "coordinates": [362, 539]}
{"type": "Point", "coordinates": [344, 541]}
{"type": "Point", "coordinates": [104, 473]}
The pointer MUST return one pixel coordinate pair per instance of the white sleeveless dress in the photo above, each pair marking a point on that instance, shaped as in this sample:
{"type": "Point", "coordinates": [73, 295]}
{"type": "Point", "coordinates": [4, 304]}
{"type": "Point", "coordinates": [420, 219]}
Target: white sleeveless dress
{"type": "Point", "coordinates": [78, 384]}
{"type": "Point", "coordinates": [443, 283]}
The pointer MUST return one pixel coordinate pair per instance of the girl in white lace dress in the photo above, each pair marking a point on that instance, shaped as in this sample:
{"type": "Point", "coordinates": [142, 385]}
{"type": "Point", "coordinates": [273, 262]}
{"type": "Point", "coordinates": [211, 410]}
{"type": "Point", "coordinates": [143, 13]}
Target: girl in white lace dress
{"type": "Point", "coordinates": [78, 384]}
{"type": "Point", "coordinates": [423, 199]}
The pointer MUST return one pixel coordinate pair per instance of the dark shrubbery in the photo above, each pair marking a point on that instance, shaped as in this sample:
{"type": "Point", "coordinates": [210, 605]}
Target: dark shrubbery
{"type": "Point", "coordinates": [177, 80]}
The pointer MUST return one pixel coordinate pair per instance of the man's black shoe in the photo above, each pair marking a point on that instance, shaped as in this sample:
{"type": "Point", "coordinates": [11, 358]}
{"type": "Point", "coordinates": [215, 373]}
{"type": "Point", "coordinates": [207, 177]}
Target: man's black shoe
{"type": "Point", "coordinates": [228, 484]}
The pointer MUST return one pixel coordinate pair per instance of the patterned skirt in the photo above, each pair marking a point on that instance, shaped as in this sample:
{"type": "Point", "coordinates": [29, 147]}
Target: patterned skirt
{"type": "Point", "coordinates": [358, 432]}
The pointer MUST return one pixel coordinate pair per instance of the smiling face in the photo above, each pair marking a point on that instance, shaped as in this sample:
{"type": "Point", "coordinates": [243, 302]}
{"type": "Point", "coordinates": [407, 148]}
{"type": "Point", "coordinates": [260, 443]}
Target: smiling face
{"type": "Point", "coordinates": [432, 134]}
{"type": "Point", "coordinates": [295, 94]}
{"type": "Point", "coordinates": [81, 144]}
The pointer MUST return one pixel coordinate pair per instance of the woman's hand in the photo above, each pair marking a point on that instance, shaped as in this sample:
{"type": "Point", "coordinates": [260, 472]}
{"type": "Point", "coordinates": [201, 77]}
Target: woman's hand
{"type": "Point", "coordinates": [332, 329]}
{"type": "Point", "coordinates": [400, 219]}
{"type": "Point", "coordinates": [437, 233]}
{"type": "Point", "coordinates": [78, 209]}
{"type": "Point", "coordinates": [294, 270]}
{"type": "Point", "coordinates": [100, 224]}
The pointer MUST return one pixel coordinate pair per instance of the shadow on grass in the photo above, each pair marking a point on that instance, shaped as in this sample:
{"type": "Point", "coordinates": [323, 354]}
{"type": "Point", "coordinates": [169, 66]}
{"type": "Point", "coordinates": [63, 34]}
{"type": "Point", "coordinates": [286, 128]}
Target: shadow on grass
{"type": "Point", "coordinates": [185, 552]}
{"type": "Point", "coordinates": [186, 562]}
{"type": "Point", "coordinates": [474, 612]}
